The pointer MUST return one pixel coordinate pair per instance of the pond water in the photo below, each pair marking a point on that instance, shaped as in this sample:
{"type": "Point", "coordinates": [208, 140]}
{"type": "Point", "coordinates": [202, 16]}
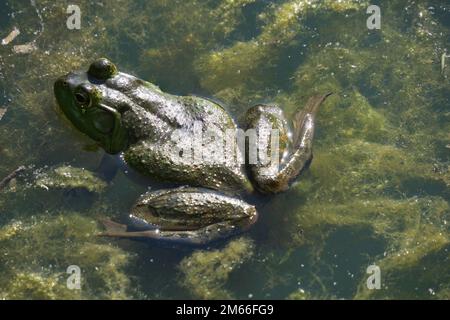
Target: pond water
{"type": "Point", "coordinates": [376, 194]}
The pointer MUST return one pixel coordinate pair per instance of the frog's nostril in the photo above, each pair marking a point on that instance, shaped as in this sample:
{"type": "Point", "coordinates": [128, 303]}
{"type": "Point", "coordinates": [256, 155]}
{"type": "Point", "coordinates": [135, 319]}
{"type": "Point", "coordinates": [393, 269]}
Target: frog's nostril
{"type": "Point", "coordinates": [62, 82]}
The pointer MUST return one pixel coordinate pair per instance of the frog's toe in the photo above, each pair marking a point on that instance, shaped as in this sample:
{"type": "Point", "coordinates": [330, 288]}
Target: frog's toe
{"type": "Point", "coordinates": [199, 237]}
{"type": "Point", "coordinates": [112, 227]}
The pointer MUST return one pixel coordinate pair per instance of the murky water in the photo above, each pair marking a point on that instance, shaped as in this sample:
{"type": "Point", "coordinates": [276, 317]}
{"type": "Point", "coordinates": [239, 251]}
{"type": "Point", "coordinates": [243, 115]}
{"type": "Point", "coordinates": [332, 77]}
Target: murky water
{"type": "Point", "coordinates": [377, 192]}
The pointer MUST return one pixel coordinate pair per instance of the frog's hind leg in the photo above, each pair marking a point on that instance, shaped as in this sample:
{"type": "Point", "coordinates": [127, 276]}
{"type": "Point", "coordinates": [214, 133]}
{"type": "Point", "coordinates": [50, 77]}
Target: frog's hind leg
{"type": "Point", "coordinates": [113, 228]}
{"type": "Point", "coordinates": [187, 215]}
{"type": "Point", "coordinates": [294, 147]}
{"type": "Point", "coordinates": [199, 236]}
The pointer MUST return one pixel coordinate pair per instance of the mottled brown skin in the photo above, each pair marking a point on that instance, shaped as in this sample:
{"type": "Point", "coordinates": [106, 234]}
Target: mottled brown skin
{"type": "Point", "coordinates": [126, 114]}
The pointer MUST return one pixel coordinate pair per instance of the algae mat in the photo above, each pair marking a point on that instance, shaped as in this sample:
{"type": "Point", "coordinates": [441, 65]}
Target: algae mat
{"type": "Point", "coordinates": [376, 194]}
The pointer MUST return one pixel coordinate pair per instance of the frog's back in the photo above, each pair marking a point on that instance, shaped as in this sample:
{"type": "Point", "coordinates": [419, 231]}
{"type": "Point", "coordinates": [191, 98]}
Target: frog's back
{"type": "Point", "coordinates": [181, 139]}
{"type": "Point", "coordinates": [160, 112]}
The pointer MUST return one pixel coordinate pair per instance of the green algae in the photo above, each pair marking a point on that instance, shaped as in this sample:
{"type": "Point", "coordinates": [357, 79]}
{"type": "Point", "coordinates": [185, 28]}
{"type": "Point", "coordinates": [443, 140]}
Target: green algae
{"type": "Point", "coordinates": [67, 239]}
{"type": "Point", "coordinates": [299, 295]}
{"type": "Point", "coordinates": [254, 63]}
{"type": "Point", "coordinates": [71, 178]}
{"type": "Point", "coordinates": [205, 273]}
{"type": "Point", "coordinates": [380, 175]}
{"type": "Point", "coordinates": [186, 30]}
{"type": "Point", "coordinates": [30, 286]}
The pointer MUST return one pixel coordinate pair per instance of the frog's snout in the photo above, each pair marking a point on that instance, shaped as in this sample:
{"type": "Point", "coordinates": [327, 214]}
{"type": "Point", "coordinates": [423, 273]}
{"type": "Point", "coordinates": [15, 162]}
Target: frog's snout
{"type": "Point", "coordinates": [59, 87]}
{"type": "Point", "coordinates": [60, 82]}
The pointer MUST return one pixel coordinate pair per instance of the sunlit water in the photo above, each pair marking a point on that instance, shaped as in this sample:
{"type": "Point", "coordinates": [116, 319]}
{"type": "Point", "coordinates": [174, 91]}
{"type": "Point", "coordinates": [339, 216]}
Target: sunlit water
{"type": "Point", "coordinates": [377, 192]}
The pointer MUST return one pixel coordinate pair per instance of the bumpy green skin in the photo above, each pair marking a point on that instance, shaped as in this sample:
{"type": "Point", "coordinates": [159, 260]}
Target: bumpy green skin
{"type": "Point", "coordinates": [188, 215]}
{"type": "Point", "coordinates": [158, 134]}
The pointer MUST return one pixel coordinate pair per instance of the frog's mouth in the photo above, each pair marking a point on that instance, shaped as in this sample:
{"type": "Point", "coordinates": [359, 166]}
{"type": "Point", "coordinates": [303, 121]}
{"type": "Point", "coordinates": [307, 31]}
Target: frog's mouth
{"type": "Point", "coordinates": [100, 122]}
{"type": "Point", "coordinates": [108, 122]}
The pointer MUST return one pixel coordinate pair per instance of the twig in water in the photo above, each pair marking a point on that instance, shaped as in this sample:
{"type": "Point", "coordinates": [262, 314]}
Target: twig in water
{"type": "Point", "coordinates": [11, 176]}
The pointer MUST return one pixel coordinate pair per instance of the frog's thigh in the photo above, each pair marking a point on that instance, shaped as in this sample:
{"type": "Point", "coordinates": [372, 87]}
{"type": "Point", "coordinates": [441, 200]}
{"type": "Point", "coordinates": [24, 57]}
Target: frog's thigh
{"type": "Point", "coordinates": [278, 164]}
{"type": "Point", "coordinates": [191, 215]}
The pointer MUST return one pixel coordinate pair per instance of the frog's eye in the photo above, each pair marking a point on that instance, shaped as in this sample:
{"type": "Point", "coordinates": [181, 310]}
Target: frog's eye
{"type": "Point", "coordinates": [102, 69]}
{"type": "Point", "coordinates": [83, 97]}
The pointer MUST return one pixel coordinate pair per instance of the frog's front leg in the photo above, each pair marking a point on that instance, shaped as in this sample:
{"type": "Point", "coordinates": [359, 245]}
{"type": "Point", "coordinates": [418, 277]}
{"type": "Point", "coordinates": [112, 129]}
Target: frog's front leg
{"type": "Point", "coordinates": [185, 214]}
{"type": "Point", "coordinates": [109, 167]}
{"type": "Point", "coordinates": [294, 147]}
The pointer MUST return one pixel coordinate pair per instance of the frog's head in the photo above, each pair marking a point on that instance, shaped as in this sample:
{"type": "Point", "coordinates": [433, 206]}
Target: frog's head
{"type": "Point", "coordinates": [85, 100]}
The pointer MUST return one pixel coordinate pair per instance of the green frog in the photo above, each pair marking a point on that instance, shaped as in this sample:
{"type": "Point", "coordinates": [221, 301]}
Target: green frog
{"type": "Point", "coordinates": [180, 140]}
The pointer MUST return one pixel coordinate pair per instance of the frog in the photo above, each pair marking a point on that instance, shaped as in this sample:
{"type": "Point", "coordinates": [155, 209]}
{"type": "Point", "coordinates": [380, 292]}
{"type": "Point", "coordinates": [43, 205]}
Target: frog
{"type": "Point", "coordinates": [205, 197]}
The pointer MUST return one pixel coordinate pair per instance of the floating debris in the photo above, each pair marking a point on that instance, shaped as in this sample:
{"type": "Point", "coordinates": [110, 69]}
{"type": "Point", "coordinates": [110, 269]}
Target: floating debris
{"type": "Point", "coordinates": [24, 48]}
{"type": "Point", "coordinates": [444, 55]}
{"type": "Point", "coordinates": [11, 36]}
{"type": "Point", "coordinates": [11, 176]}
{"type": "Point", "coordinates": [2, 112]}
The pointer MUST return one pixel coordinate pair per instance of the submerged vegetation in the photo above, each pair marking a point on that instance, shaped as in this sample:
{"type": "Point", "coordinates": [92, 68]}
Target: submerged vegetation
{"type": "Point", "coordinates": [377, 191]}
{"type": "Point", "coordinates": [206, 272]}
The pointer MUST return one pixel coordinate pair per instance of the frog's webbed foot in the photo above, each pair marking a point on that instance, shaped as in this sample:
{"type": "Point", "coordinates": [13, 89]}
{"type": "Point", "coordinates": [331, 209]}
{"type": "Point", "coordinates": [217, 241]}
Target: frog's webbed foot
{"type": "Point", "coordinates": [199, 236]}
{"type": "Point", "coordinates": [295, 148]}
{"type": "Point", "coordinates": [189, 215]}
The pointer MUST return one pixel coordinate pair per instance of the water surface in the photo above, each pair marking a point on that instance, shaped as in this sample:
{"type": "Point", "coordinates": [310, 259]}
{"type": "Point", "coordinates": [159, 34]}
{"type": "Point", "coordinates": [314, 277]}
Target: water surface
{"type": "Point", "coordinates": [377, 192]}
